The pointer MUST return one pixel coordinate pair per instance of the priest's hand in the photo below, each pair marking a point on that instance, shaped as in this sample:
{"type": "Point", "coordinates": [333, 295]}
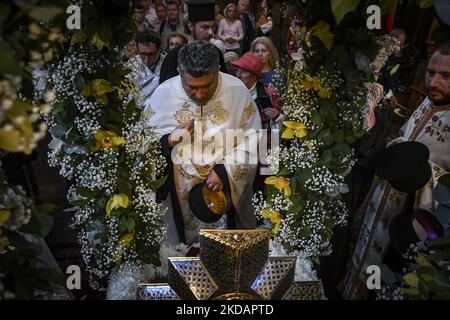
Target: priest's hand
{"type": "Point", "coordinates": [213, 181]}
{"type": "Point", "coordinates": [180, 131]}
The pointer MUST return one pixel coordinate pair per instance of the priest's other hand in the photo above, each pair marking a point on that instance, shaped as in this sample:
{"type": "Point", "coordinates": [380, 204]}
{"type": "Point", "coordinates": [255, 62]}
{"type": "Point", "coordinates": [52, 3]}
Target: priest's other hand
{"type": "Point", "coordinates": [213, 181]}
{"type": "Point", "coordinates": [178, 132]}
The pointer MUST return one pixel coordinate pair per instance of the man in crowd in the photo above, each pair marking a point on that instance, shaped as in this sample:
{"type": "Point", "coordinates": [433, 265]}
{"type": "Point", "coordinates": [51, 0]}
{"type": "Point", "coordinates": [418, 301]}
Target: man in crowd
{"type": "Point", "coordinates": [139, 18]}
{"type": "Point", "coordinates": [248, 24]}
{"type": "Point", "coordinates": [201, 25]}
{"type": "Point", "coordinates": [173, 23]}
{"type": "Point", "coordinates": [150, 57]}
{"type": "Point", "coordinates": [150, 12]}
{"type": "Point", "coordinates": [204, 103]}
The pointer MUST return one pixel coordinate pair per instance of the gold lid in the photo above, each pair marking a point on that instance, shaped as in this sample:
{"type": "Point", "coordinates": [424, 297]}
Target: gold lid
{"type": "Point", "coordinates": [215, 200]}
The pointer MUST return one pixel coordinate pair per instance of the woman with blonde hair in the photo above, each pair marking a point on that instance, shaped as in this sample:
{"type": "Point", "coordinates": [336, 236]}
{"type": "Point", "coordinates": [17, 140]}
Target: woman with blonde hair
{"type": "Point", "coordinates": [175, 39]}
{"type": "Point", "coordinates": [264, 48]}
{"type": "Point", "coordinates": [230, 29]}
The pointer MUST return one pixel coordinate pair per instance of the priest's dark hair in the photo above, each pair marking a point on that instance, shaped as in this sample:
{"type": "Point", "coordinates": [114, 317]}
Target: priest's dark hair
{"type": "Point", "coordinates": [148, 36]}
{"type": "Point", "coordinates": [444, 48]}
{"type": "Point", "coordinates": [198, 58]}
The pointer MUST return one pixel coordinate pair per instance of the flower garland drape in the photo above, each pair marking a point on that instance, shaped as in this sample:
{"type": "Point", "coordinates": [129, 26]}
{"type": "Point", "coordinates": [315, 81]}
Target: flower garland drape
{"type": "Point", "coordinates": [102, 144]}
{"type": "Point", "coordinates": [328, 95]}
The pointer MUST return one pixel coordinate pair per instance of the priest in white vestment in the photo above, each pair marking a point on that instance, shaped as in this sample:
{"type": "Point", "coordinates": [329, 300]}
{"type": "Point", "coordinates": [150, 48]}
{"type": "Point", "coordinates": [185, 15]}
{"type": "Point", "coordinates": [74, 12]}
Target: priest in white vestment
{"type": "Point", "coordinates": [430, 125]}
{"type": "Point", "coordinates": [206, 105]}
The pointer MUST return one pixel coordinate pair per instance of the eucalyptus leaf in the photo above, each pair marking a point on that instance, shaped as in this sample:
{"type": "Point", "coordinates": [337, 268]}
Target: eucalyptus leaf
{"type": "Point", "coordinates": [130, 224]}
{"type": "Point", "coordinates": [5, 10]}
{"type": "Point", "coordinates": [394, 69]}
{"type": "Point", "coordinates": [341, 7]}
{"type": "Point", "coordinates": [8, 63]}
{"type": "Point", "coordinates": [46, 208]}
{"type": "Point", "coordinates": [425, 4]}
{"type": "Point", "coordinates": [78, 37]}
{"type": "Point", "coordinates": [305, 232]}
{"type": "Point", "coordinates": [41, 13]}
{"type": "Point", "coordinates": [46, 222]}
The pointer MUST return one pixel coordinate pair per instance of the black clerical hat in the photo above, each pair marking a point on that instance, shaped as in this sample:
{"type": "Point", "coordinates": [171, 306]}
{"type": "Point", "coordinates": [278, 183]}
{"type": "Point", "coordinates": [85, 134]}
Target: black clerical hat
{"type": "Point", "coordinates": [201, 10]}
{"type": "Point", "coordinates": [404, 165]}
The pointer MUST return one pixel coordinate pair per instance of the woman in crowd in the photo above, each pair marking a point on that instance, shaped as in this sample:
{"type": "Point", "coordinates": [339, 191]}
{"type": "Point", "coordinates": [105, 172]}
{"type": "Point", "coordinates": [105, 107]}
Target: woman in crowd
{"type": "Point", "coordinates": [230, 29]}
{"type": "Point", "coordinates": [161, 14]}
{"type": "Point", "coordinates": [175, 39]}
{"type": "Point", "coordinates": [264, 48]}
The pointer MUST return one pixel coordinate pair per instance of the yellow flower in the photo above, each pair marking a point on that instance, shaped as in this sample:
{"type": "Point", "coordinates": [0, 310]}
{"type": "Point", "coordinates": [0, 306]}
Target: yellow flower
{"type": "Point", "coordinates": [34, 29]}
{"type": "Point", "coordinates": [106, 139]}
{"type": "Point", "coordinates": [127, 239]}
{"type": "Point", "coordinates": [274, 217]}
{"type": "Point", "coordinates": [411, 279]}
{"type": "Point", "coordinates": [308, 82]}
{"type": "Point", "coordinates": [313, 83]}
{"type": "Point", "coordinates": [324, 92]}
{"type": "Point", "coordinates": [18, 134]}
{"type": "Point", "coordinates": [294, 129]}
{"type": "Point", "coordinates": [3, 243]}
{"type": "Point", "coordinates": [9, 139]}
{"type": "Point", "coordinates": [322, 31]}
{"type": "Point", "coordinates": [117, 201]}
{"type": "Point", "coordinates": [98, 43]}
{"type": "Point", "coordinates": [97, 88]}
{"type": "Point", "coordinates": [100, 87]}
{"type": "Point", "coordinates": [5, 215]}
{"type": "Point", "coordinates": [281, 183]}
{"type": "Point", "coordinates": [410, 291]}
{"type": "Point", "coordinates": [422, 260]}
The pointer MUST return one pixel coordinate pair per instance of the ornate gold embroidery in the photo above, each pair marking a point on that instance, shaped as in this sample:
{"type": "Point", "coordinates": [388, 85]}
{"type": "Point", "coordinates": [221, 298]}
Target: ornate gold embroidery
{"type": "Point", "coordinates": [239, 172]}
{"type": "Point", "coordinates": [148, 112]}
{"type": "Point", "coordinates": [185, 174]}
{"type": "Point", "coordinates": [198, 113]}
{"type": "Point", "coordinates": [218, 115]}
{"type": "Point", "coordinates": [248, 111]}
{"type": "Point", "coordinates": [237, 239]}
{"type": "Point", "coordinates": [184, 114]}
{"type": "Point", "coordinates": [203, 170]}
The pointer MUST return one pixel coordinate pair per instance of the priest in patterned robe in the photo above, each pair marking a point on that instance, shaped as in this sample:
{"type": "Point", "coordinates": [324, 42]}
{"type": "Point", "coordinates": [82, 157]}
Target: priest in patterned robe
{"type": "Point", "coordinates": [217, 122]}
{"type": "Point", "coordinates": [429, 125]}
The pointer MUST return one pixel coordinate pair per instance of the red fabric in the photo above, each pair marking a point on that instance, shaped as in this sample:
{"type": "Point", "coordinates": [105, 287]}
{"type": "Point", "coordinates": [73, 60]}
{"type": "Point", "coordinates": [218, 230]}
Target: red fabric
{"type": "Point", "coordinates": [250, 62]}
{"type": "Point", "coordinates": [387, 23]}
